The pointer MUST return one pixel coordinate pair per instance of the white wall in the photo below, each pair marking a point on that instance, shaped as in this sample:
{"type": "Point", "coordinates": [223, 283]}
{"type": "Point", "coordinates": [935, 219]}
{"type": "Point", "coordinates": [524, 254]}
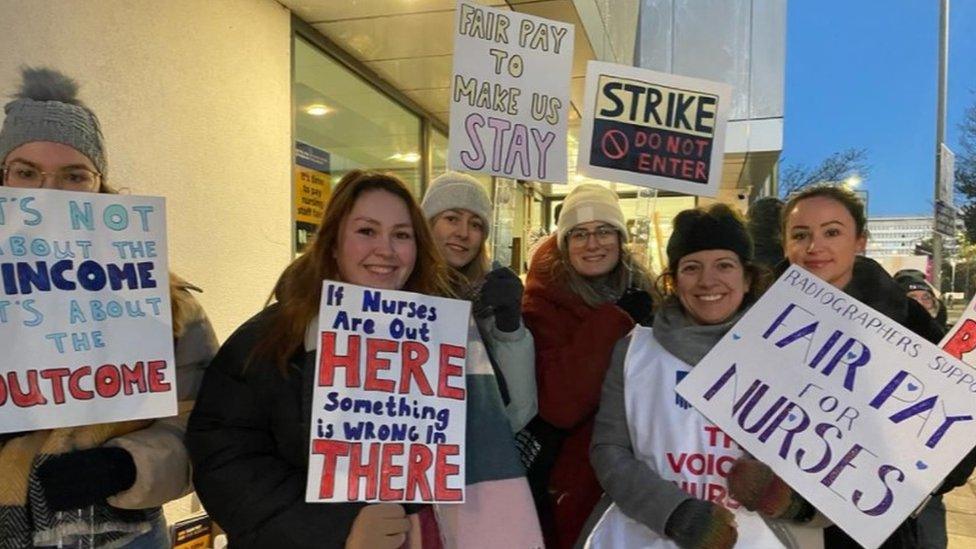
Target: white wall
{"type": "Point", "coordinates": [194, 100]}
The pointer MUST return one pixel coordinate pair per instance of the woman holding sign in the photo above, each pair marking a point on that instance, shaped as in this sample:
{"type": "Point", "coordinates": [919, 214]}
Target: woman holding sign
{"type": "Point", "coordinates": [249, 434]}
{"type": "Point", "coordinates": [459, 212]}
{"type": "Point", "coordinates": [824, 231]}
{"type": "Point", "coordinates": [94, 485]}
{"type": "Point", "coordinates": [661, 462]}
{"type": "Point", "coordinates": [584, 292]}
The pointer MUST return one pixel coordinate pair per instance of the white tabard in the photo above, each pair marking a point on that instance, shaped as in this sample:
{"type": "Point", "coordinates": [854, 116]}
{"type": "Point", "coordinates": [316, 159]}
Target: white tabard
{"type": "Point", "coordinates": [681, 445]}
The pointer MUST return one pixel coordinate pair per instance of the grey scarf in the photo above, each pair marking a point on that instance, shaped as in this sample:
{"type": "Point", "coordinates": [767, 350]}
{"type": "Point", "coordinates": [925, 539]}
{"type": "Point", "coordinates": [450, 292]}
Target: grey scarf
{"type": "Point", "coordinates": [685, 339]}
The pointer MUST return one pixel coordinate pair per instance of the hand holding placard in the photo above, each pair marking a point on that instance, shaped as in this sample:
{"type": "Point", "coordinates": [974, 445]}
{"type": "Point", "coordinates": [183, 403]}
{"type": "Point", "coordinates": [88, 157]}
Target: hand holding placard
{"type": "Point", "coordinates": [379, 526]}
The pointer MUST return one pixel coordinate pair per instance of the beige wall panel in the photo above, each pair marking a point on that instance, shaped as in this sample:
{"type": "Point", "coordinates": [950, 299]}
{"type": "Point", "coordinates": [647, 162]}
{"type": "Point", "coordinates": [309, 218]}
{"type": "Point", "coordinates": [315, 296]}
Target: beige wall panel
{"type": "Point", "coordinates": [194, 99]}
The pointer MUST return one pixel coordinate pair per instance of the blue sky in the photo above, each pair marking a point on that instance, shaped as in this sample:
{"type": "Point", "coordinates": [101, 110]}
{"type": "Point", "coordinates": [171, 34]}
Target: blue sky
{"type": "Point", "coordinates": [863, 74]}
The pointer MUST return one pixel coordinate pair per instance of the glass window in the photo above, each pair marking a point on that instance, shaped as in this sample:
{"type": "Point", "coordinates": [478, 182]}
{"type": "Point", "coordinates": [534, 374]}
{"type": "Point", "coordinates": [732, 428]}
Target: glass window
{"type": "Point", "coordinates": [343, 123]}
{"type": "Point", "coordinates": [438, 153]}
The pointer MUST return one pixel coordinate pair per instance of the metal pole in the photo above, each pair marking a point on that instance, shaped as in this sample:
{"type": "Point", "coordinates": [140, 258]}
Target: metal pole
{"type": "Point", "coordinates": [952, 285]}
{"type": "Point", "coordinates": [940, 135]}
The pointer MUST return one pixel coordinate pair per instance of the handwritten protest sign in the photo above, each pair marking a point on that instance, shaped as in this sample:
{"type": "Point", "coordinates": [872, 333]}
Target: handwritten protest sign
{"type": "Point", "coordinates": [960, 342]}
{"type": "Point", "coordinates": [388, 409]}
{"type": "Point", "coordinates": [653, 129]}
{"type": "Point", "coordinates": [510, 94]}
{"type": "Point", "coordinates": [855, 412]}
{"type": "Point", "coordinates": [84, 311]}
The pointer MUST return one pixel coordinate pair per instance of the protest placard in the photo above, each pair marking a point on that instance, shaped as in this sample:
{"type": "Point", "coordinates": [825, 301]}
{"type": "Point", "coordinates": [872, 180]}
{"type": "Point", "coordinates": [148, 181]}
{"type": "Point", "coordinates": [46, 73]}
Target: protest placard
{"type": "Point", "coordinates": [960, 342]}
{"type": "Point", "coordinates": [855, 412]}
{"type": "Point", "coordinates": [509, 94]}
{"type": "Point", "coordinates": [85, 315]}
{"type": "Point", "coordinates": [389, 400]}
{"type": "Point", "coordinates": [653, 129]}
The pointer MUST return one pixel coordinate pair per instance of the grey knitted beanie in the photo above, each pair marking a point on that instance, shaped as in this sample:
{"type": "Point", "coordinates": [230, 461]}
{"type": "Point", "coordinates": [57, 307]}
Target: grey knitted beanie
{"type": "Point", "coordinates": [47, 109]}
{"type": "Point", "coordinates": [457, 191]}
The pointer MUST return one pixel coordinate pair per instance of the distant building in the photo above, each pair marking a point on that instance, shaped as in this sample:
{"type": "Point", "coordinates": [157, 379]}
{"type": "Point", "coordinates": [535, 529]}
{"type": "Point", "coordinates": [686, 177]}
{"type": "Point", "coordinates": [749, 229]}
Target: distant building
{"type": "Point", "coordinates": [899, 235]}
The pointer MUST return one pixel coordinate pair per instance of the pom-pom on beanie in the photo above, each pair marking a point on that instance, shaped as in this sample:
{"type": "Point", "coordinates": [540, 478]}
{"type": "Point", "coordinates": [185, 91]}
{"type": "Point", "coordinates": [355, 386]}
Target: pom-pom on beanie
{"type": "Point", "coordinates": [47, 109]}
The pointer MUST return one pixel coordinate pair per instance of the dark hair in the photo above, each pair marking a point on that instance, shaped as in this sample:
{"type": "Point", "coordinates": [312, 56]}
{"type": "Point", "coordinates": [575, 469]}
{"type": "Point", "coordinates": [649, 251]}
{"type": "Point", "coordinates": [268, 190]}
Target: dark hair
{"type": "Point", "coordinates": [845, 196]}
{"type": "Point", "coordinates": [299, 288]}
{"type": "Point", "coordinates": [764, 218]}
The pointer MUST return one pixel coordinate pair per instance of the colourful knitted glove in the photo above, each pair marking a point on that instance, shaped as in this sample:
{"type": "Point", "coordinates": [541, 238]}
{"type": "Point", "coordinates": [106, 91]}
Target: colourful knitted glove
{"type": "Point", "coordinates": [81, 478]}
{"type": "Point", "coordinates": [700, 524]}
{"type": "Point", "coordinates": [753, 484]}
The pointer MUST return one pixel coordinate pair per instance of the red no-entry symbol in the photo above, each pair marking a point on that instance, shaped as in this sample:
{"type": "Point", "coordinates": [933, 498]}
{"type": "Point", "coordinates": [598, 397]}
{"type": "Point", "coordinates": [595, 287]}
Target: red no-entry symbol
{"type": "Point", "coordinates": [614, 144]}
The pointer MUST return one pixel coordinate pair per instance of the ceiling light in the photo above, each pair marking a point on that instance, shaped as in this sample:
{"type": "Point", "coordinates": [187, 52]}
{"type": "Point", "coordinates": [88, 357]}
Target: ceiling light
{"type": "Point", "coordinates": [318, 109]}
{"type": "Point", "coordinates": [410, 157]}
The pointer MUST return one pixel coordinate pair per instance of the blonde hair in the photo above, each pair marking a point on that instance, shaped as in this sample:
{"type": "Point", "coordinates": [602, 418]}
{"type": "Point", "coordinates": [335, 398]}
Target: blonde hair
{"type": "Point", "coordinates": [476, 269]}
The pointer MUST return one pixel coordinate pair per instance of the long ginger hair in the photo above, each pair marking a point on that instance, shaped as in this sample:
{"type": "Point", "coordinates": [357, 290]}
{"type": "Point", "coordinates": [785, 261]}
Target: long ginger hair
{"type": "Point", "coordinates": [299, 288]}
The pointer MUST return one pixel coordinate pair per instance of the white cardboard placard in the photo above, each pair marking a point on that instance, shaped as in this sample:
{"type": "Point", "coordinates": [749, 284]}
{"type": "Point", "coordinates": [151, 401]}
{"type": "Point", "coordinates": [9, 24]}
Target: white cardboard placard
{"type": "Point", "coordinates": [855, 412]}
{"type": "Point", "coordinates": [85, 320]}
{"type": "Point", "coordinates": [389, 397]}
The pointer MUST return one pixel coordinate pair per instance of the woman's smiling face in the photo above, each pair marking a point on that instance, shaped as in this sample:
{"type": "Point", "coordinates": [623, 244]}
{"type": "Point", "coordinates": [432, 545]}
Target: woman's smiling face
{"type": "Point", "coordinates": [711, 285]}
{"type": "Point", "coordinates": [821, 236]}
{"type": "Point", "coordinates": [376, 245]}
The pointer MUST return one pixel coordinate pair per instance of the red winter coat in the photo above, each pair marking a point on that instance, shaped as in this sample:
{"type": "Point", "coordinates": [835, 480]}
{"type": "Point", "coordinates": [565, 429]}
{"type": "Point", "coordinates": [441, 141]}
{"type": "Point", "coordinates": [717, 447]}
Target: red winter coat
{"type": "Point", "coordinates": [573, 343]}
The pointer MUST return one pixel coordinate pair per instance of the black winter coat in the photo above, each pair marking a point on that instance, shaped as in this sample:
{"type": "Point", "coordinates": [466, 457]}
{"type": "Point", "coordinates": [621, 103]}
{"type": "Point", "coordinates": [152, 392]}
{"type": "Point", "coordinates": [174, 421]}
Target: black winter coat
{"type": "Point", "coordinates": [248, 438]}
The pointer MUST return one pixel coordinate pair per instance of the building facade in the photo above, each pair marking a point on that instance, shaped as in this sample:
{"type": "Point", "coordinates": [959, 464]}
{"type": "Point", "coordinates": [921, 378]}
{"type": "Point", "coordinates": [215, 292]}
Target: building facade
{"type": "Point", "coordinates": [900, 235]}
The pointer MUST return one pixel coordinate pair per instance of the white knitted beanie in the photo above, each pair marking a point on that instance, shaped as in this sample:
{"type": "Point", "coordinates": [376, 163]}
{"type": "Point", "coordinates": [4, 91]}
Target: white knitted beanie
{"type": "Point", "coordinates": [590, 202]}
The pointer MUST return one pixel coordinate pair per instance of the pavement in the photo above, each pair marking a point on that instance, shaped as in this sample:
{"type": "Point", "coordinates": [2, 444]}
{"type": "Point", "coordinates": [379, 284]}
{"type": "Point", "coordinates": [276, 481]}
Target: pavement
{"type": "Point", "coordinates": [961, 502]}
{"type": "Point", "coordinates": [961, 515]}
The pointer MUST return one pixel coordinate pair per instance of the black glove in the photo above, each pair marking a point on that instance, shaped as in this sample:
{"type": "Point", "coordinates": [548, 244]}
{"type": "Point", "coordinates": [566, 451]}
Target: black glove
{"type": "Point", "coordinates": [81, 478]}
{"type": "Point", "coordinates": [502, 291]}
{"type": "Point", "coordinates": [638, 304]}
{"type": "Point", "coordinates": [698, 523]}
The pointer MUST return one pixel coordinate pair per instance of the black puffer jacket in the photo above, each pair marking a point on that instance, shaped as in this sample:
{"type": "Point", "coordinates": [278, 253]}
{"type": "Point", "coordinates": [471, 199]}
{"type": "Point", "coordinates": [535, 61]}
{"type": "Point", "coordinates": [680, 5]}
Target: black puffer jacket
{"type": "Point", "coordinates": [248, 439]}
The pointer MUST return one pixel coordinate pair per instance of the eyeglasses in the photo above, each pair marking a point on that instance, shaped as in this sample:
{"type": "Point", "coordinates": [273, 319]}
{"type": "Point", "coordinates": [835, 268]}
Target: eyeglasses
{"type": "Point", "coordinates": [605, 234]}
{"type": "Point", "coordinates": [24, 175]}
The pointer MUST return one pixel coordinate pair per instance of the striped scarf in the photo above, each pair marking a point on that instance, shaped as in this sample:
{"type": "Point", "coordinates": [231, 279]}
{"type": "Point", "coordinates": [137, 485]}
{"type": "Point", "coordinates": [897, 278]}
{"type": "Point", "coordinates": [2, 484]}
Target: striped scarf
{"type": "Point", "coordinates": [25, 519]}
{"type": "Point", "coordinates": [498, 510]}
